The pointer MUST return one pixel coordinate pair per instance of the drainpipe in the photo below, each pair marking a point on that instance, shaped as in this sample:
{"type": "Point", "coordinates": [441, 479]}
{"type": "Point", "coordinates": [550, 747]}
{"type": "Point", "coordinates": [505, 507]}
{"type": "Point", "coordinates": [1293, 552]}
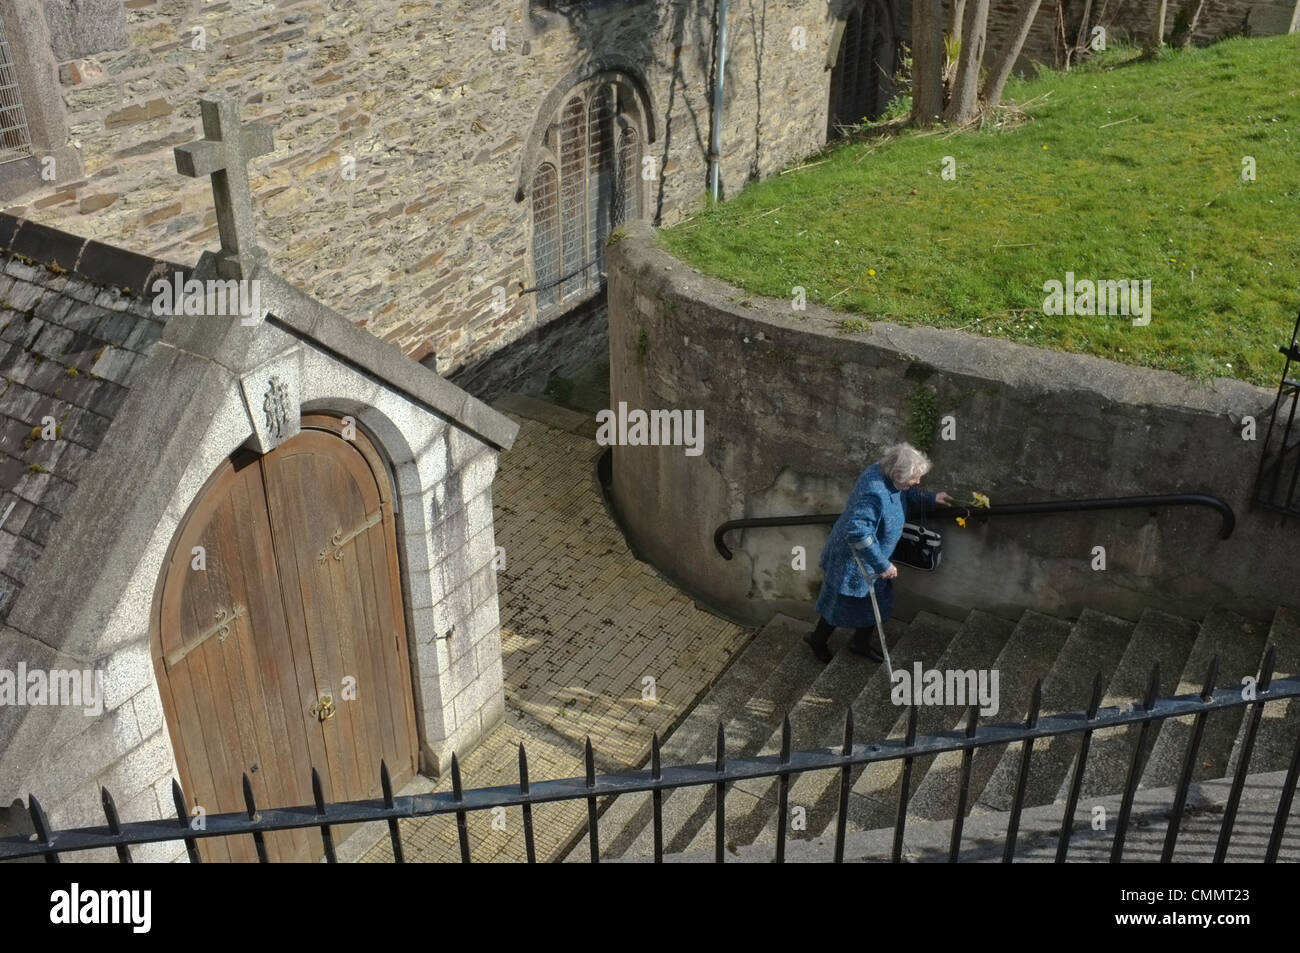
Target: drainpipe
{"type": "Point", "coordinates": [715, 136]}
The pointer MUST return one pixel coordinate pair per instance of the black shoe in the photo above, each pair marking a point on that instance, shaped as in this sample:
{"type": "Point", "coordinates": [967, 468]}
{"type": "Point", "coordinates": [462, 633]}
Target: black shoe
{"type": "Point", "coordinates": [869, 650]}
{"type": "Point", "coordinates": [820, 649]}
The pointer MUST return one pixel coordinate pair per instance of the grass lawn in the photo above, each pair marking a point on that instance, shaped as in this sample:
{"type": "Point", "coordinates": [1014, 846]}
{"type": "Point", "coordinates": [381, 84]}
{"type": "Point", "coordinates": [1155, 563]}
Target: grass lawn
{"type": "Point", "coordinates": [1124, 170]}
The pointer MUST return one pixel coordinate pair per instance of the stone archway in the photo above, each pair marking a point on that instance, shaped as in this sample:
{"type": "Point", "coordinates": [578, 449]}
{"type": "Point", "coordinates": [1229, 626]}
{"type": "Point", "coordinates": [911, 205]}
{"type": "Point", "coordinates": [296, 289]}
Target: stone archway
{"type": "Point", "coordinates": [862, 79]}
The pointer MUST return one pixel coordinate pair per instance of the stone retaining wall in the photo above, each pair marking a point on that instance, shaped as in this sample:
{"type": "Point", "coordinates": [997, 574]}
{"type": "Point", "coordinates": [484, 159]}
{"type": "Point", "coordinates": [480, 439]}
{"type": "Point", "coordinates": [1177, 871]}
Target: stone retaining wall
{"type": "Point", "coordinates": [794, 409]}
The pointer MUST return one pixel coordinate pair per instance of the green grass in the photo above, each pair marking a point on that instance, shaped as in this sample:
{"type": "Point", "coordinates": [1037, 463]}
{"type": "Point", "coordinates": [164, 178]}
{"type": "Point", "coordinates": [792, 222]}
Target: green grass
{"type": "Point", "coordinates": [1157, 194]}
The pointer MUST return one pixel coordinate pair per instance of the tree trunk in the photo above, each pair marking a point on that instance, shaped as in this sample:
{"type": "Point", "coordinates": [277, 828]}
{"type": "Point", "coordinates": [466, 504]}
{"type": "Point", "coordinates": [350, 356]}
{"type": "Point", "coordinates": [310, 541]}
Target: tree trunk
{"type": "Point", "coordinates": [1006, 60]}
{"type": "Point", "coordinates": [1185, 24]}
{"type": "Point", "coordinates": [962, 105]}
{"type": "Point", "coordinates": [927, 61]}
{"type": "Point", "coordinates": [1157, 37]}
{"type": "Point", "coordinates": [1081, 38]}
{"type": "Point", "coordinates": [955, 15]}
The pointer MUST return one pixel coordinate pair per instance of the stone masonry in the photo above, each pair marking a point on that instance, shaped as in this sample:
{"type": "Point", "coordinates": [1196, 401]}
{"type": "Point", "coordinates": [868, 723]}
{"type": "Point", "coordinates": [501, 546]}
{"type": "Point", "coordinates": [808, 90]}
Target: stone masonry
{"type": "Point", "coordinates": [400, 134]}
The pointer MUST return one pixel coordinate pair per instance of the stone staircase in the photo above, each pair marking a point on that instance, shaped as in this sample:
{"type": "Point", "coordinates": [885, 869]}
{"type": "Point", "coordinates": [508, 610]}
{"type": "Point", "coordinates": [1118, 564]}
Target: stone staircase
{"type": "Point", "coordinates": [777, 674]}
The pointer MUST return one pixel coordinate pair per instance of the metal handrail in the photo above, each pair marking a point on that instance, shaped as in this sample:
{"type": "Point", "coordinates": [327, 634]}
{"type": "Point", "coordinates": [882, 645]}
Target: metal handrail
{"type": "Point", "coordinates": [1228, 524]}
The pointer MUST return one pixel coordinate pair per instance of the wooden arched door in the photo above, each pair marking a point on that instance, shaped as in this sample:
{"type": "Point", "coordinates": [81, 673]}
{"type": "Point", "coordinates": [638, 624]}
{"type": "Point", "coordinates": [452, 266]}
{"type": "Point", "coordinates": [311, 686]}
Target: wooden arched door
{"type": "Point", "coordinates": [279, 638]}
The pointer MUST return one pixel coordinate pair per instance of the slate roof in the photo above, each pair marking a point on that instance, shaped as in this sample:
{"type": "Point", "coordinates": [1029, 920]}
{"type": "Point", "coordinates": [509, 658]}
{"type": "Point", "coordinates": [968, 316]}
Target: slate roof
{"type": "Point", "coordinates": [75, 327]}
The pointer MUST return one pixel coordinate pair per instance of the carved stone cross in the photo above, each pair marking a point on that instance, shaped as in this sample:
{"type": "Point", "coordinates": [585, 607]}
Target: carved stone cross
{"type": "Point", "coordinates": [223, 153]}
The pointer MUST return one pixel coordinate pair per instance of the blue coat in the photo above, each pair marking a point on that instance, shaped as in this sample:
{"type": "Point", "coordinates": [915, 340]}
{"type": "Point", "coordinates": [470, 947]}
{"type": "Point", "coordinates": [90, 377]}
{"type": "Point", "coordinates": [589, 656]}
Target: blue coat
{"type": "Point", "coordinates": [871, 525]}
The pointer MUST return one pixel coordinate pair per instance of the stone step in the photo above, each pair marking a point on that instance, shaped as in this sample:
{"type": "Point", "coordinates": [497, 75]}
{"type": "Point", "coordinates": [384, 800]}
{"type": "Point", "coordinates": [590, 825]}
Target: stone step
{"type": "Point", "coordinates": [686, 810]}
{"type": "Point", "coordinates": [1028, 656]}
{"type": "Point", "coordinates": [984, 836]}
{"type": "Point", "coordinates": [816, 793]}
{"type": "Point", "coordinates": [1279, 726]}
{"type": "Point", "coordinates": [1158, 637]}
{"type": "Point", "coordinates": [1096, 644]}
{"type": "Point", "coordinates": [817, 721]}
{"type": "Point", "coordinates": [692, 741]}
{"type": "Point", "coordinates": [875, 795]}
{"type": "Point", "coordinates": [1239, 645]}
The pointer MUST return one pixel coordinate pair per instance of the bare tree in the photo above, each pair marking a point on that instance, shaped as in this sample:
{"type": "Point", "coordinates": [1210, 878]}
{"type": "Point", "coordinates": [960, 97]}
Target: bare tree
{"type": "Point", "coordinates": [1156, 39]}
{"type": "Point", "coordinates": [964, 103]}
{"type": "Point", "coordinates": [1185, 24]}
{"type": "Point", "coordinates": [927, 61]}
{"type": "Point", "coordinates": [1007, 57]}
{"type": "Point", "coordinates": [956, 13]}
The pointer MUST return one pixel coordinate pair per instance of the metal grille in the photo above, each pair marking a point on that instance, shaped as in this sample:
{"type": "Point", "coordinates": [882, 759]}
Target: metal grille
{"type": "Point", "coordinates": [851, 70]}
{"type": "Point", "coordinates": [573, 187]}
{"type": "Point", "coordinates": [862, 76]}
{"type": "Point", "coordinates": [546, 236]}
{"type": "Point", "coordinates": [15, 137]}
{"type": "Point", "coordinates": [627, 194]}
{"type": "Point", "coordinates": [600, 181]}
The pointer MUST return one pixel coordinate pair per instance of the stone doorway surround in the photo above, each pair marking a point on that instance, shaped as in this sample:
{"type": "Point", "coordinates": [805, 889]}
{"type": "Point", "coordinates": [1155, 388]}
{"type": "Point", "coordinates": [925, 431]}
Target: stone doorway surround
{"type": "Point", "coordinates": [87, 601]}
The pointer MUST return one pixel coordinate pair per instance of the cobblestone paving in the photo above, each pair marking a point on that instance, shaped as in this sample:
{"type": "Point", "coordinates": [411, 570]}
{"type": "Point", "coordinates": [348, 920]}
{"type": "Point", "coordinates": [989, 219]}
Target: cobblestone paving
{"type": "Point", "coordinates": [582, 624]}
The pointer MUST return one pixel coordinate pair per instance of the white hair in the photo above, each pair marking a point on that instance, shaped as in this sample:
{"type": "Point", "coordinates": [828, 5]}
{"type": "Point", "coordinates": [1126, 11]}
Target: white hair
{"type": "Point", "coordinates": [903, 463]}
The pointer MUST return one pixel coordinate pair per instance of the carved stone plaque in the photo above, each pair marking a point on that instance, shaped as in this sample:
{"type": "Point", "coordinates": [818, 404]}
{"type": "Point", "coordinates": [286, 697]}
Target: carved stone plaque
{"type": "Point", "coordinates": [271, 396]}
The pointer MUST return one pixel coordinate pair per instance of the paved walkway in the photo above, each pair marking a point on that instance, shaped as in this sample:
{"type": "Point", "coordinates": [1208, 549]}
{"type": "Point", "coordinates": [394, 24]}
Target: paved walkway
{"type": "Point", "coordinates": [582, 624]}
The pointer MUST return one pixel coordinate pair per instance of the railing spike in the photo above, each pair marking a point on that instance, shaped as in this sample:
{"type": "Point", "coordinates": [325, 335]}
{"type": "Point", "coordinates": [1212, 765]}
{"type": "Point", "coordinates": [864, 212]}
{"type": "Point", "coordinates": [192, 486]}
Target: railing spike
{"type": "Point", "coordinates": [1266, 673]}
{"type": "Point", "coordinates": [326, 835]}
{"type": "Point", "coordinates": [1211, 677]}
{"type": "Point", "coordinates": [1153, 688]}
{"type": "Point", "coordinates": [249, 804]}
{"type": "Point", "coordinates": [259, 840]}
{"type": "Point", "coordinates": [593, 829]}
{"type": "Point", "coordinates": [1095, 702]}
{"type": "Point", "coordinates": [114, 823]}
{"type": "Point", "coordinates": [462, 819]}
{"type": "Point", "coordinates": [41, 825]}
{"type": "Point", "coordinates": [394, 831]}
{"type": "Point", "coordinates": [183, 816]}
{"type": "Point", "coordinates": [317, 793]}
{"type": "Point", "coordinates": [530, 848]}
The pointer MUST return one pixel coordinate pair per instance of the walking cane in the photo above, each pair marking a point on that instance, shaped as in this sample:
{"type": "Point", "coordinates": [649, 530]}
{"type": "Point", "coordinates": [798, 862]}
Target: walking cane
{"type": "Point", "coordinates": [875, 607]}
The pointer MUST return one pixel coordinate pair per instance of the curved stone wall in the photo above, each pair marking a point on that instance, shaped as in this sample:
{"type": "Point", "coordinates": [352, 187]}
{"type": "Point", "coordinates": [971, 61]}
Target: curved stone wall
{"type": "Point", "coordinates": [794, 409]}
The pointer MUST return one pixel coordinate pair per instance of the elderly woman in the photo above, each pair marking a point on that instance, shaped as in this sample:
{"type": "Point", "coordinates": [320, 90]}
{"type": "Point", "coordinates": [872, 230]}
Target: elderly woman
{"type": "Point", "coordinates": [870, 526]}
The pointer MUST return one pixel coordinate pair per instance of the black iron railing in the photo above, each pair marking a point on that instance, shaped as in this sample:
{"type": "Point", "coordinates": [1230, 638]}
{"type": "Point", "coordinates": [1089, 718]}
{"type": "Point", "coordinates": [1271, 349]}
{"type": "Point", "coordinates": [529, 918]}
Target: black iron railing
{"type": "Point", "coordinates": [1279, 462]}
{"type": "Point", "coordinates": [256, 822]}
{"type": "Point", "coordinates": [1227, 523]}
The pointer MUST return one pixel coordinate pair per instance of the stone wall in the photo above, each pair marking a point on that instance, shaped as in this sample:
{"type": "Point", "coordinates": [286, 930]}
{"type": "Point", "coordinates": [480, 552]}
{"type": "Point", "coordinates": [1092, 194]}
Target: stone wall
{"type": "Point", "coordinates": [795, 409]}
{"type": "Point", "coordinates": [1128, 20]}
{"type": "Point", "coordinates": [437, 121]}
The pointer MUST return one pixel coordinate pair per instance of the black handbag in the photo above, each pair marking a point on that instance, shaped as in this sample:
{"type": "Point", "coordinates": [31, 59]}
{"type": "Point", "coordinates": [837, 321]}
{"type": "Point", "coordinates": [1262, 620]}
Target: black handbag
{"type": "Point", "coordinates": [919, 548]}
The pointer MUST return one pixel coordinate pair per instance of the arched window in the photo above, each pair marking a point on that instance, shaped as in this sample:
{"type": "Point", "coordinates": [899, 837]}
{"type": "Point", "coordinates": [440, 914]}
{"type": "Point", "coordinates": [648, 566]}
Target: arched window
{"type": "Point", "coordinates": [546, 235]}
{"type": "Point", "coordinates": [586, 184]}
{"type": "Point", "coordinates": [862, 81]}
